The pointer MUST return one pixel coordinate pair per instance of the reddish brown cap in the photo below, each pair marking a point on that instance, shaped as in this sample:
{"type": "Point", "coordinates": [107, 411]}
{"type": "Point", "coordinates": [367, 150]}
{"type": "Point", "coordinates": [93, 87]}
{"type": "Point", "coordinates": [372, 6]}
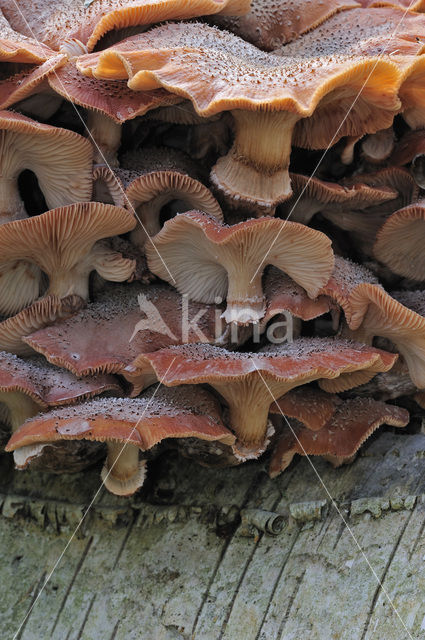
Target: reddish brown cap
{"type": "Point", "coordinates": [19, 84]}
{"type": "Point", "coordinates": [126, 426]}
{"type": "Point", "coordinates": [250, 382]}
{"type": "Point", "coordinates": [210, 260]}
{"type": "Point", "coordinates": [40, 314]}
{"type": "Point", "coordinates": [86, 23]}
{"type": "Point", "coordinates": [268, 94]}
{"type": "Point", "coordinates": [16, 47]}
{"type": "Point", "coordinates": [270, 25]}
{"type": "Point", "coordinates": [351, 424]}
{"type": "Point", "coordinates": [122, 323]}
{"type": "Point", "coordinates": [313, 407]}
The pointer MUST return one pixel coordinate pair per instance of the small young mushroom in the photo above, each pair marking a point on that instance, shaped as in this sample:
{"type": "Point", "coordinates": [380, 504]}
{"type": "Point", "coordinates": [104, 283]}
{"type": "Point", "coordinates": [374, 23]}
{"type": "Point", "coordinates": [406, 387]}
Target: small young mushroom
{"type": "Point", "coordinates": [40, 314]}
{"type": "Point", "coordinates": [28, 386]}
{"type": "Point", "coordinates": [122, 323]}
{"type": "Point", "coordinates": [269, 24]}
{"type": "Point", "coordinates": [210, 260]}
{"type": "Point", "coordinates": [250, 382]}
{"type": "Point", "coordinates": [267, 94]}
{"type": "Point", "coordinates": [61, 160]}
{"type": "Point", "coordinates": [86, 23]}
{"type": "Point", "coordinates": [127, 426]}
{"type": "Point", "coordinates": [399, 243]}
{"type": "Point", "coordinates": [64, 243]}
{"type": "Point", "coordinates": [352, 423]}
{"type": "Point", "coordinates": [157, 178]}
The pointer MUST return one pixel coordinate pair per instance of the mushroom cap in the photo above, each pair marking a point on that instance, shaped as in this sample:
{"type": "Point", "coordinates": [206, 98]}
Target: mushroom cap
{"type": "Point", "coordinates": [112, 98]}
{"type": "Point", "coordinates": [283, 294]}
{"type": "Point", "coordinates": [376, 313]}
{"type": "Point", "coordinates": [20, 84]}
{"type": "Point", "coordinates": [121, 324]}
{"type": "Point", "coordinates": [61, 159]}
{"type": "Point", "coordinates": [108, 186]}
{"type": "Point", "coordinates": [377, 147]}
{"type": "Point", "coordinates": [411, 5]}
{"type": "Point", "coordinates": [345, 278]}
{"type": "Point", "coordinates": [62, 237]}
{"type": "Point", "coordinates": [16, 47]}
{"type": "Point", "coordinates": [40, 314]}
{"type": "Point", "coordinates": [65, 20]}
{"type": "Point", "coordinates": [194, 244]}
{"type": "Point", "coordinates": [311, 195]}
{"type": "Point", "coordinates": [191, 412]}
{"type": "Point", "coordinates": [399, 243]}
{"type": "Point", "coordinates": [269, 25]}
{"type": "Point", "coordinates": [313, 407]}
{"type": "Point", "coordinates": [303, 360]}
{"type": "Point", "coordinates": [351, 424]}
{"type": "Point", "coordinates": [48, 385]}
{"type": "Point", "coordinates": [218, 71]}
{"type": "Point", "coordinates": [410, 149]}
{"type": "Point", "coordinates": [166, 173]}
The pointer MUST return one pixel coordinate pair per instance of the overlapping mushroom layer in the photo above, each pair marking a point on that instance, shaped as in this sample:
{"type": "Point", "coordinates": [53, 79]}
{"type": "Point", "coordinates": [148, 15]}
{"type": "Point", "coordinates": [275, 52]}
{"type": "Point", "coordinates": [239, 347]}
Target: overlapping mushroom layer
{"type": "Point", "coordinates": [136, 153]}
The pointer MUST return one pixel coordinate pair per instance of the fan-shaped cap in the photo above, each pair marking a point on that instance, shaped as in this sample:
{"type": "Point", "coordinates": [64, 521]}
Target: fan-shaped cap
{"type": "Point", "coordinates": [250, 382]}
{"type": "Point", "coordinates": [18, 84]}
{"type": "Point", "coordinates": [376, 313]}
{"type": "Point", "coordinates": [126, 426]}
{"type": "Point", "coordinates": [63, 243]}
{"type": "Point", "coordinates": [363, 224]}
{"type": "Point", "coordinates": [122, 323]}
{"type": "Point", "coordinates": [267, 93]}
{"type": "Point", "coordinates": [108, 186]}
{"type": "Point", "coordinates": [68, 20]}
{"type": "Point", "coordinates": [209, 260]}
{"type": "Point", "coordinates": [61, 160]}
{"type": "Point", "coordinates": [16, 47]}
{"type": "Point", "coordinates": [351, 424]}
{"type": "Point", "coordinates": [313, 407]}
{"type": "Point", "coordinates": [40, 314]}
{"type": "Point", "coordinates": [112, 98]}
{"type": "Point", "coordinates": [311, 195]}
{"type": "Point", "coordinates": [48, 385]}
{"type": "Point", "coordinates": [269, 25]}
{"type": "Point", "coordinates": [399, 243]}
{"type": "Point", "coordinates": [158, 177]}
{"type": "Point", "coordinates": [283, 294]}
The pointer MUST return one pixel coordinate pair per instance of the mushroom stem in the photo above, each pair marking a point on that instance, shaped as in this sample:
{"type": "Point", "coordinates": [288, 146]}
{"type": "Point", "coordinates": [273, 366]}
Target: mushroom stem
{"type": "Point", "coordinates": [148, 214]}
{"type": "Point", "coordinates": [122, 472]}
{"type": "Point", "coordinates": [21, 407]}
{"type": "Point", "coordinates": [245, 299]}
{"type": "Point", "coordinates": [66, 282]}
{"type": "Point", "coordinates": [249, 402]}
{"type": "Point", "coordinates": [107, 136]}
{"type": "Point", "coordinates": [11, 205]}
{"type": "Point", "coordinates": [256, 168]}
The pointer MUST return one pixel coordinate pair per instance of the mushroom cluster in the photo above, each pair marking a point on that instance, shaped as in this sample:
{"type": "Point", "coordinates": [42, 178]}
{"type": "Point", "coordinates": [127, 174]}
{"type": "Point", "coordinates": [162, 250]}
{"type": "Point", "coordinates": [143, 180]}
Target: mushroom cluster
{"type": "Point", "coordinates": [211, 228]}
